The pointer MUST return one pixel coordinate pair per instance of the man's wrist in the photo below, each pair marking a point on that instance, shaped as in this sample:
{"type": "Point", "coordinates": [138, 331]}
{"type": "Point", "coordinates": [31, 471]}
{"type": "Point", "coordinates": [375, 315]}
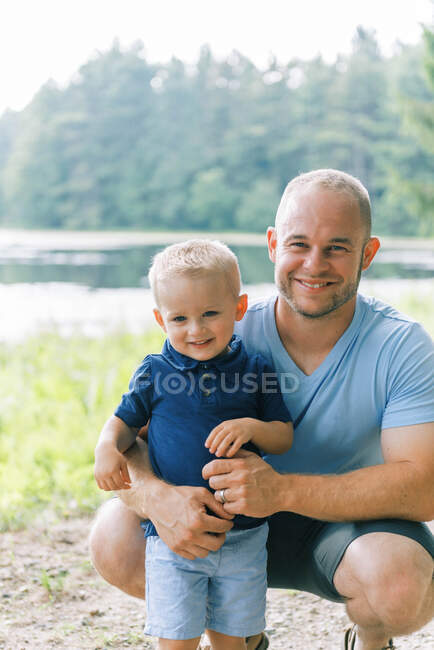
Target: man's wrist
{"type": "Point", "coordinates": [154, 489]}
{"type": "Point", "coordinates": [284, 493]}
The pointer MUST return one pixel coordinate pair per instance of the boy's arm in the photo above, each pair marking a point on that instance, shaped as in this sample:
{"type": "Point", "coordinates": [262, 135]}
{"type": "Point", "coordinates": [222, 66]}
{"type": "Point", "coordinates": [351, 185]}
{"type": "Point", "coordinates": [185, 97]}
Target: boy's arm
{"type": "Point", "coordinates": [272, 437]}
{"type": "Point", "coordinates": [116, 433]}
{"type": "Point", "coordinates": [228, 437]}
{"type": "Point", "coordinates": [111, 469]}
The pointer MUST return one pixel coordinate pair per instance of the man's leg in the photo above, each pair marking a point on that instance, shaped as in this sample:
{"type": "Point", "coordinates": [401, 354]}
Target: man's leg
{"type": "Point", "coordinates": [386, 580]}
{"type": "Point", "coordinates": [117, 548]}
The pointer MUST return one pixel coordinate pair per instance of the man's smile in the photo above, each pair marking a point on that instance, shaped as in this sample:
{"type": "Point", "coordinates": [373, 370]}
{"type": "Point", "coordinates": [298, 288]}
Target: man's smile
{"type": "Point", "coordinates": [313, 285]}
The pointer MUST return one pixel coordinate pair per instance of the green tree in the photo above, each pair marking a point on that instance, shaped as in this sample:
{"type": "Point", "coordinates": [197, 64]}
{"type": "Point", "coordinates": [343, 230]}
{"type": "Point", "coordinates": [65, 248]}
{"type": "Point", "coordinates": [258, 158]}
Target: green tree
{"type": "Point", "coordinates": [411, 183]}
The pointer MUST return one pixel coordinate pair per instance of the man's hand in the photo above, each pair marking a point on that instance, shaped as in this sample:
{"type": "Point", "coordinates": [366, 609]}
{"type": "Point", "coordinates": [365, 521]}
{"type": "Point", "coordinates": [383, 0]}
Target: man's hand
{"type": "Point", "coordinates": [111, 469]}
{"type": "Point", "coordinates": [252, 487]}
{"type": "Point", "coordinates": [179, 513]}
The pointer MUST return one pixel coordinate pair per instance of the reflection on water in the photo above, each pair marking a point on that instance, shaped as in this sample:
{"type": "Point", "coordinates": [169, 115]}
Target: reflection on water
{"type": "Point", "coordinates": [90, 290]}
{"type": "Point", "coordinates": [68, 308]}
{"type": "Point", "coordinates": [128, 267]}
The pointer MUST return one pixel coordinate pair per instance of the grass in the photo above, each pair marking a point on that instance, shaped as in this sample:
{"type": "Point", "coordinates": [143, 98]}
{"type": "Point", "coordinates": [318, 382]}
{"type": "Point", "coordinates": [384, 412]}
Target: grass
{"type": "Point", "coordinates": [55, 395]}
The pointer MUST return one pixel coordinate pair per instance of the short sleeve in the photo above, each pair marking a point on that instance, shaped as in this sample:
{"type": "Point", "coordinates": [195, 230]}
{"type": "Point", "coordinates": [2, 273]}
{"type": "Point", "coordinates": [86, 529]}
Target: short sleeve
{"type": "Point", "coordinates": [271, 404]}
{"type": "Point", "coordinates": [410, 381]}
{"type": "Point", "coordinates": [136, 405]}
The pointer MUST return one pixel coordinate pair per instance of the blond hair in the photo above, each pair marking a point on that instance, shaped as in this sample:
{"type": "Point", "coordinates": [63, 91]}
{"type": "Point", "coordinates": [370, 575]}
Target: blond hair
{"type": "Point", "coordinates": [194, 258]}
{"type": "Point", "coordinates": [335, 181]}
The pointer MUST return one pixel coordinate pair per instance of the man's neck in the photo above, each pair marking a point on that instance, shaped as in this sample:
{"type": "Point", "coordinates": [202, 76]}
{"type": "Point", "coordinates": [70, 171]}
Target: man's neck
{"type": "Point", "coordinates": [309, 340]}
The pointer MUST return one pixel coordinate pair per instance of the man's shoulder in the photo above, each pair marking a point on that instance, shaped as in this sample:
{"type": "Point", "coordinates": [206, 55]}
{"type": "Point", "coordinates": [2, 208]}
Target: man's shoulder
{"type": "Point", "coordinates": [376, 308]}
{"type": "Point", "coordinates": [389, 331]}
{"type": "Point", "coordinates": [261, 304]}
{"type": "Point", "coordinates": [256, 316]}
{"type": "Point", "coordinates": [256, 326]}
{"type": "Point", "coordinates": [381, 315]}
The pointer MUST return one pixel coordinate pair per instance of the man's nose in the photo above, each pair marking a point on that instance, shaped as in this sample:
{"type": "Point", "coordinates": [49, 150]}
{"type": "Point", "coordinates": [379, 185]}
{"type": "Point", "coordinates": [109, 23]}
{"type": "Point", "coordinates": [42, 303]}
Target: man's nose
{"type": "Point", "coordinates": [315, 262]}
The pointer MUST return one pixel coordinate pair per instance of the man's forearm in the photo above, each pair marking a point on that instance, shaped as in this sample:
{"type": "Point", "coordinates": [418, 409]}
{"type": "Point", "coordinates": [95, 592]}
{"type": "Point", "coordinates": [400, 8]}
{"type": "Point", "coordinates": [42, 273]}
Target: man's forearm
{"type": "Point", "coordinates": [391, 490]}
{"type": "Point", "coordinates": [144, 481]}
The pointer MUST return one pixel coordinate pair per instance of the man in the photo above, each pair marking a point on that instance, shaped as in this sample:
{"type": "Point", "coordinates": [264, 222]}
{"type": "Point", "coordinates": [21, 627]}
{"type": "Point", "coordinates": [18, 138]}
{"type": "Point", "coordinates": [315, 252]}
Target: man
{"type": "Point", "coordinates": [357, 378]}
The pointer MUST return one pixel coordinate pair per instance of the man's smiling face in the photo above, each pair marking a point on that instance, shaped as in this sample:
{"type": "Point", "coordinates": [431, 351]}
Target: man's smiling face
{"type": "Point", "coordinates": [319, 249]}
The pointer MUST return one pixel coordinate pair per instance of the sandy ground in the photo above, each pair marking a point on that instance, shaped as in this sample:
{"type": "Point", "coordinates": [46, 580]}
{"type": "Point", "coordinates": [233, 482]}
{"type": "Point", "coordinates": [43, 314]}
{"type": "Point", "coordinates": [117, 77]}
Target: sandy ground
{"type": "Point", "coordinates": [51, 597]}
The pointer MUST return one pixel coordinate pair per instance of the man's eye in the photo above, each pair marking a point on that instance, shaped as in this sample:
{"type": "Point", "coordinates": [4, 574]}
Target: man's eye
{"type": "Point", "coordinates": [335, 247]}
{"type": "Point", "coordinates": [179, 319]}
{"type": "Point", "coordinates": [210, 313]}
{"type": "Point", "coordinates": [299, 244]}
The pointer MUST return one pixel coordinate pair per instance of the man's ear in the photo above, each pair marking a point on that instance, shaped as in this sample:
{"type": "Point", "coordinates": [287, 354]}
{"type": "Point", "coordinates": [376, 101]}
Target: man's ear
{"type": "Point", "coordinates": [159, 319]}
{"type": "Point", "coordinates": [272, 243]}
{"type": "Point", "coordinates": [241, 306]}
{"type": "Point", "coordinates": [370, 251]}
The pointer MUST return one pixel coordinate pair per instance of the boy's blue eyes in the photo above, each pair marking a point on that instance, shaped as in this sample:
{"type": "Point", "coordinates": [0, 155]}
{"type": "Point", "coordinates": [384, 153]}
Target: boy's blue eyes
{"type": "Point", "coordinates": [207, 314]}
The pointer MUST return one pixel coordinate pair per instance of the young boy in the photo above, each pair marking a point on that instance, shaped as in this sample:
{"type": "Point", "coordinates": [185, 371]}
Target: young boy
{"type": "Point", "coordinates": [205, 398]}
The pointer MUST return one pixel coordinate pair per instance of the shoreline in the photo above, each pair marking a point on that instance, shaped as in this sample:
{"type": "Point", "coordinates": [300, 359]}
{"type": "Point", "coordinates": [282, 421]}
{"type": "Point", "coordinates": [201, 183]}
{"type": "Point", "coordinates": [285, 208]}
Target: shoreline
{"type": "Point", "coordinates": [118, 239]}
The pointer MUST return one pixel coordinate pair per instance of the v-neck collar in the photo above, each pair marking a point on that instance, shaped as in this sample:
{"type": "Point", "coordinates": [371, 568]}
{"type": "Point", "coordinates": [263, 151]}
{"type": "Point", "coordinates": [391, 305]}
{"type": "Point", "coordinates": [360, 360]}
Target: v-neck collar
{"type": "Point", "coordinates": [336, 351]}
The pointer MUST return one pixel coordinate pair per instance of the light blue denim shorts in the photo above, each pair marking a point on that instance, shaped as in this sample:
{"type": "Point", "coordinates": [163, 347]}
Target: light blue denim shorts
{"type": "Point", "coordinates": [224, 592]}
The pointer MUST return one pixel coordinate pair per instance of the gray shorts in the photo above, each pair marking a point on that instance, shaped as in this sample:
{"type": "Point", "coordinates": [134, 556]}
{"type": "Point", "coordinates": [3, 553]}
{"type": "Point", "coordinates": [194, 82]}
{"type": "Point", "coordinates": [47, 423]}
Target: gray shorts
{"type": "Point", "coordinates": [304, 553]}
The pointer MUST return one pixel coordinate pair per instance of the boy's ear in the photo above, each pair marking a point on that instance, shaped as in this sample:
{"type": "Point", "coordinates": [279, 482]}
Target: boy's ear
{"type": "Point", "coordinates": [159, 319]}
{"type": "Point", "coordinates": [241, 306]}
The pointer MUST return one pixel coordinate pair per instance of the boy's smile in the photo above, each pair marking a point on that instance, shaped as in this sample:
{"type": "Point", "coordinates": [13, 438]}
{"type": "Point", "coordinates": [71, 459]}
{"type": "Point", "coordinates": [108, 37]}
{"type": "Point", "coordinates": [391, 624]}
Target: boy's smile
{"type": "Point", "coordinates": [198, 313]}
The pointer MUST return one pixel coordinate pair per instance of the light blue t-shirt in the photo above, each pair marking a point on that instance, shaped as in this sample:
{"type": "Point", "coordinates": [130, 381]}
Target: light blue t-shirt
{"type": "Point", "coordinates": [378, 375]}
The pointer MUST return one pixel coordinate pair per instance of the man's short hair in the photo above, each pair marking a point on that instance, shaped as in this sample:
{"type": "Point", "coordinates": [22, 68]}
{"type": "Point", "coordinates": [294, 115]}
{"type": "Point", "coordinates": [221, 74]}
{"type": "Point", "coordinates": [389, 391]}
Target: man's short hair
{"type": "Point", "coordinates": [194, 258]}
{"type": "Point", "coordinates": [335, 181]}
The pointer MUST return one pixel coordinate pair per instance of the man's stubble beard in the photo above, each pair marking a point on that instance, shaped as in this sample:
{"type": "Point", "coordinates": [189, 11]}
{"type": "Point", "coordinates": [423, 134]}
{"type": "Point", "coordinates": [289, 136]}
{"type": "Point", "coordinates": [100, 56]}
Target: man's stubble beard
{"type": "Point", "coordinates": [349, 291]}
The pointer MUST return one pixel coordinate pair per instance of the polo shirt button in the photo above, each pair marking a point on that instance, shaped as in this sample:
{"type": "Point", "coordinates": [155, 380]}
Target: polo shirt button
{"type": "Point", "coordinates": [206, 376]}
{"type": "Point", "coordinates": [207, 393]}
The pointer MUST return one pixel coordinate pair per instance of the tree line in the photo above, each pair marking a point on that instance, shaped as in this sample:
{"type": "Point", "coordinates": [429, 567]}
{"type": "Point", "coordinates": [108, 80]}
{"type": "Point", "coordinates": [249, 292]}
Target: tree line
{"type": "Point", "coordinates": [138, 145]}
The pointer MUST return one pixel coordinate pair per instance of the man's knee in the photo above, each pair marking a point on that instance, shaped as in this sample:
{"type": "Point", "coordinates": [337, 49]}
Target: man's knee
{"type": "Point", "coordinates": [393, 573]}
{"type": "Point", "coordinates": [117, 548]}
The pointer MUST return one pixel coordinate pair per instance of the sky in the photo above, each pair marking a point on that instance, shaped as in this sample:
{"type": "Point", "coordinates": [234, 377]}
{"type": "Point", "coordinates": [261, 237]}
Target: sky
{"type": "Point", "coordinates": [50, 39]}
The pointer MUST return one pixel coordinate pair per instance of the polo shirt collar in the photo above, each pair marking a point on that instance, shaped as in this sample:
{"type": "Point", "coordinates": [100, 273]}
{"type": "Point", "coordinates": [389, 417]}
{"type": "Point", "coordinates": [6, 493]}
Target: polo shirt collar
{"type": "Point", "coordinates": [227, 362]}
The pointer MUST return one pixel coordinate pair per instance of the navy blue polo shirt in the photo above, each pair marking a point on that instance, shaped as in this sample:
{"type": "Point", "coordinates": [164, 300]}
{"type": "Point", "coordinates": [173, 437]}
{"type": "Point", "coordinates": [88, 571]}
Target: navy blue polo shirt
{"type": "Point", "coordinates": [185, 399]}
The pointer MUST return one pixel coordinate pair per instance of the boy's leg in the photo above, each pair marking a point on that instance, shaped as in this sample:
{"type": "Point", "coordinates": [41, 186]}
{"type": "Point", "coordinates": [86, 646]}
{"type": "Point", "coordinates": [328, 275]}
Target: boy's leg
{"type": "Point", "coordinates": [171, 644]}
{"type": "Point", "coordinates": [176, 594]}
{"type": "Point", "coordinates": [225, 642]}
{"type": "Point", "coordinates": [237, 591]}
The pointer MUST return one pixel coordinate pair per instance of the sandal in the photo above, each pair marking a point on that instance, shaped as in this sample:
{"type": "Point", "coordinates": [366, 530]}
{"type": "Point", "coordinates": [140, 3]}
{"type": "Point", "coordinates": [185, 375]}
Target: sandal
{"type": "Point", "coordinates": [263, 643]}
{"type": "Point", "coordinates": [350, 640]}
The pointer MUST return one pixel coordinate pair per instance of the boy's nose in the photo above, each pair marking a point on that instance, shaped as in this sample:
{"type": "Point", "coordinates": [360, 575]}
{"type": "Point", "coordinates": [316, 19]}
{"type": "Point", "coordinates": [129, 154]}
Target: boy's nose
{"type": "Point", "coordinates": [196, 327]}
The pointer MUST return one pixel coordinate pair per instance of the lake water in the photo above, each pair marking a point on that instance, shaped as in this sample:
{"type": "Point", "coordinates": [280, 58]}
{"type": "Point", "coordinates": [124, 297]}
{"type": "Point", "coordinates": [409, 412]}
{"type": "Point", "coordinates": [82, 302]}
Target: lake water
{"type": "Point", "coordinates": [94, 282]}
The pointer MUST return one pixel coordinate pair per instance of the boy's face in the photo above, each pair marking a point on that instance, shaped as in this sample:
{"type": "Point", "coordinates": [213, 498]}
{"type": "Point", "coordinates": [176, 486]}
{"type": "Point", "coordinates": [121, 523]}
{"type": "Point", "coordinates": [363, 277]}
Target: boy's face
{"type": "Point", "coordinates": [198, 314]}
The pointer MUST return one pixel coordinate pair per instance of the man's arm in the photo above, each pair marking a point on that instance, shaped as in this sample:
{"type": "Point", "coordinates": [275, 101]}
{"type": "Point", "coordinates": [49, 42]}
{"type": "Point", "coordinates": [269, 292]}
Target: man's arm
{"type": "Point", "coordinates": [179, 513]}
{"type": "Point", "coordinates": [402, 487]}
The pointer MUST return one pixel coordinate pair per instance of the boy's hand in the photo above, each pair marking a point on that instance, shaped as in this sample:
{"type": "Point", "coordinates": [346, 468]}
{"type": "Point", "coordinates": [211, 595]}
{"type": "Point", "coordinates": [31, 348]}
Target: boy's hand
{"type": "Point", "coordinates": [229, 436]}
{"type": "Point", "coordinates": [111, 469]}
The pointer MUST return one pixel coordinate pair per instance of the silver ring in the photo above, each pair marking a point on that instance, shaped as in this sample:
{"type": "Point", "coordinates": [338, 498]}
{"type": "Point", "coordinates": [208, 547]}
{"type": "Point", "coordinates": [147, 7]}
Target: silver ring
{"type": "Point", "coordinates": [222, 496]}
